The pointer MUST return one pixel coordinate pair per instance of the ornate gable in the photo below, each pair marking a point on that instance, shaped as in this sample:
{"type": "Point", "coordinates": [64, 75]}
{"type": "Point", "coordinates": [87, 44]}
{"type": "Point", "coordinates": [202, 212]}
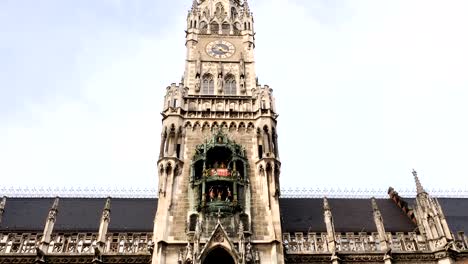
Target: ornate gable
{"type": "Point", "coordinates": [219, 238]}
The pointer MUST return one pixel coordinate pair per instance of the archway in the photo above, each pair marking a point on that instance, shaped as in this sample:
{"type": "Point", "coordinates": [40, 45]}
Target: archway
{"type": "Point", "coordinates": [218, 256]}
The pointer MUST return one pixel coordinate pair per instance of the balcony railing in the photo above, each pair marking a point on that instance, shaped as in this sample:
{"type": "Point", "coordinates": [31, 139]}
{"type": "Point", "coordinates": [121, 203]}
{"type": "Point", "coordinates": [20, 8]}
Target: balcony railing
{"type": "Point", "coordinates": [76, 243]}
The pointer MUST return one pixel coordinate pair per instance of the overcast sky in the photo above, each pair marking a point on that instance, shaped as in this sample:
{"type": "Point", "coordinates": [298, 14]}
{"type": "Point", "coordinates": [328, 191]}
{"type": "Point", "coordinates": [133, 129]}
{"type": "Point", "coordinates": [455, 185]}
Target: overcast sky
{"type": "Point", "coordinates": [366, 90]}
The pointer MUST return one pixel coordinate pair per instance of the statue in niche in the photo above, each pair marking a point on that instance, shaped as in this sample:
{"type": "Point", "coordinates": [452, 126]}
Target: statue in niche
{"type": "Point", "coordinates": [212, 194]}
{"type": "Point", "coordinates": [197, 84]}
{"type": "Point", "coordinates": [242, 65]}
{"type": "Point", "coordinates": [220, 195]}
{"type": "Point", "coordinates": [242, 84]}
{"type": "Point", "coordinates": [220, 77]}
{"type": "Point", "coordinates": [229, 195]}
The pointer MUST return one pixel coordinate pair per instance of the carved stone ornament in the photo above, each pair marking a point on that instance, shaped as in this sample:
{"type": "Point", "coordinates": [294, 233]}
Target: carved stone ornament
{"type": "Point", "coordinates": [218, 237]}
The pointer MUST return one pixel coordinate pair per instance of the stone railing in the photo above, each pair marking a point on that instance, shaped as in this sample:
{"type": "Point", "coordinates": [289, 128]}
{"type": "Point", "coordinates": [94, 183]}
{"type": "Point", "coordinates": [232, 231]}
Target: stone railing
{"type": "Point", "coordinates": [300, 243]}
{"type": "Point", "coordinates": [75, 243]}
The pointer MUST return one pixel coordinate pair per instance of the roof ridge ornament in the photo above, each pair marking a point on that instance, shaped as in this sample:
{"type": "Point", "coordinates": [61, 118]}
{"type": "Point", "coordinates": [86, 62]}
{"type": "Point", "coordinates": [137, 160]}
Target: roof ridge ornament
{"type": "Point", "coordinates": [419, 187]}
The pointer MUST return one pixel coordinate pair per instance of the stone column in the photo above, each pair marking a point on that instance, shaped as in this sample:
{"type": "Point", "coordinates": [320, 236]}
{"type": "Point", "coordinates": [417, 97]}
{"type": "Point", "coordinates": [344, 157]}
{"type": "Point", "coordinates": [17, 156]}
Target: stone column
{"type": "Point", "coordinates": [49, 227]}
{"type": "Point", "coordinates": [2, 208]}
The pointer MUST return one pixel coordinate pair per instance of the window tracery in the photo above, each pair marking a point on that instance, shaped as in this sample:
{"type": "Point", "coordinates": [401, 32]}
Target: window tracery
{"type": "Point", "coordinates": [208, 84]}
{"type": "Point", "coordinates": [230, 85]}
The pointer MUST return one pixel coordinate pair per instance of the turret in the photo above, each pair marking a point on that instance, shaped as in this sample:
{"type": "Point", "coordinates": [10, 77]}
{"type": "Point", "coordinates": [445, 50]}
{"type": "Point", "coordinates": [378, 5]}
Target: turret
{"type": "Point", "coordinates": [430, 218]}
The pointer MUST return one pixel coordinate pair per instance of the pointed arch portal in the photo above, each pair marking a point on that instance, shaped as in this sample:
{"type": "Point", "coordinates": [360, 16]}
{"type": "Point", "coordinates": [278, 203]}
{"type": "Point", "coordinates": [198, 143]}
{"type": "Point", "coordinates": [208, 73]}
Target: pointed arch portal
{"type": "Point", "coordinates": [218, 255]}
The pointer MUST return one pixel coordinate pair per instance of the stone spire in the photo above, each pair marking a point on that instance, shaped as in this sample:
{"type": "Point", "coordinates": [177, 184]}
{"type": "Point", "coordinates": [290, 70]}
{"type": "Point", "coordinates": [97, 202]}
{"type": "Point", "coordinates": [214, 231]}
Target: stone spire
{"type": "Point", "coordinates": [2, 207]}
{"type": "Point", "coordinates": [419, 188]}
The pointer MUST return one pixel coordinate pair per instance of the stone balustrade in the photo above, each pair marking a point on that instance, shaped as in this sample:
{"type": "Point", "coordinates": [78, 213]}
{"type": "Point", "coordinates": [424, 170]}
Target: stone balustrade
{"type": "Point", "coordinates": [76, 243]}
{"type": "Point", "coordinates": [300, 243]}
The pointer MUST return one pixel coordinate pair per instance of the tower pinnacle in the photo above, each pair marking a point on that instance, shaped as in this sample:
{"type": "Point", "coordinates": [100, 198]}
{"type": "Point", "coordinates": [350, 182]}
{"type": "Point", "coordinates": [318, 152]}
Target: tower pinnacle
{"type": "Point", "coordinates": [419, 187]}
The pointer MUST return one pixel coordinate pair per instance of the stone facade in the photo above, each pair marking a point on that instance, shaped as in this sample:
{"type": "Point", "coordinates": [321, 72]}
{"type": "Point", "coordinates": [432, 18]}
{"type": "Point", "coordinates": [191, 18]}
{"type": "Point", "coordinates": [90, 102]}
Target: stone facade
{"type": "Point", "coordinates": [219, 98]}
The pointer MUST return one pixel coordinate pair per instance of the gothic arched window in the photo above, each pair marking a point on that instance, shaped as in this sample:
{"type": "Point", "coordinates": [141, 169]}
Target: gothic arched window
{"type": "Point", "coordinates": [226, 28]}
{"type": "Point", "coordinates": [208, 84]}
{"type": "Point", "coordinates": [203, 27]}
{"type": "Point", "coordinates": [230, 85]}
{"type": "Point", "coordinates": [214, 27]}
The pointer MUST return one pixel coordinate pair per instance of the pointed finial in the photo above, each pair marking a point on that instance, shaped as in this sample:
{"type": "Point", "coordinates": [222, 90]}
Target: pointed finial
{"type": "Point", "coordinates": [219, 215]}
{"type": "Point", "coordinates": [56, 203]}
{"type": "Point", "coordinates": [241, 228]}
{"type": "Point", "coordinates": [419, 188]}
{"type": "Point", "coordinates": [246, 5]}
{"type": "Point", "coordinates": [53, 210]}
{"type": "Point", "coordinates": [326, 205]}
{"type": "Point", "coordinates": [374, 204]}
{"type": "Point", "coordinates": [2, 203]}
{"type": "Point", "coordinates": [195, 4]}
{"type": "Point", "coordinates": [108, 204]}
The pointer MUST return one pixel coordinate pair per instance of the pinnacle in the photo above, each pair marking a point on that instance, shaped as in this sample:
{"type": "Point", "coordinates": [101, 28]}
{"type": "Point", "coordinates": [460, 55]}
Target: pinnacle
{"type": "Point", "coordinates": [419, 187]}
{"type": "Point", "coordinates": [374, 204]}
{"type": "Point", "coordinates": [326, 205]}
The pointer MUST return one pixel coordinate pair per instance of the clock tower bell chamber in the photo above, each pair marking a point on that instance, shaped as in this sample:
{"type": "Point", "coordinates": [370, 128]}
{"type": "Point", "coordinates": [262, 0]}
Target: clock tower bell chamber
{"type": "Point", "coordinates": [219, 165]}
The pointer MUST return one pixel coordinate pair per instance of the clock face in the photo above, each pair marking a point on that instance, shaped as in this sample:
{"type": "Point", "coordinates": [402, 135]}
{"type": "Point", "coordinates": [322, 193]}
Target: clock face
{"type": "Point", "coordinates": [220, 49]}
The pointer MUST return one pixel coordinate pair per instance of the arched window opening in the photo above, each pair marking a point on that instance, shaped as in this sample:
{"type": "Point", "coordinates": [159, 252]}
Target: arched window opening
{"type": "Point", "coordinates": [208, 84]}
{"type": "Point", "coordinates": [245, 25]}
{"type": "Point", "coordinates": [195, 24]}
{"type": "Point", "coordinates": [244, 219]}
{"type": "Point", "coordinates": [203, 27]}
{"type": "Point", "coordinates": [226, 28]}
{"type": "Point", "coordinates": [233, 13]}
{"type": "Point", "coordinates": [230, 85]}
{"type": "Point", "coordinates": [193, 222]}
{"type": "Point", "coordinates": [214, 27]}
{"type": "Point", "coordinates": [218, 255]}
{"type": "Point", "coordinates": [237, 28]}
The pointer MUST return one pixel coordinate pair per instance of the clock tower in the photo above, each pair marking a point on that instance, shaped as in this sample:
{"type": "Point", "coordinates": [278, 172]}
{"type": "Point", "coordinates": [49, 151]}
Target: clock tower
{"type": "Point", "coordinates": [219, 165]}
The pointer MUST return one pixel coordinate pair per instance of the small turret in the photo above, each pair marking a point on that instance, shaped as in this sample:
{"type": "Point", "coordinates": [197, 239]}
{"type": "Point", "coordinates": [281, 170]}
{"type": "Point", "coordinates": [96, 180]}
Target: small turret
{"type": "Point", "coordinates": [430, 218]}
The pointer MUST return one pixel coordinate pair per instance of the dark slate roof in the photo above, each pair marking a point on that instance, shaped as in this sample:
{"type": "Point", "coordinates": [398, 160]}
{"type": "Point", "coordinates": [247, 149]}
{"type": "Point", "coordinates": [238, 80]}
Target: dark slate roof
{"type": "Point", "coordinates": [395, 220]}
{"type": "Point", "coordinates": [456, 213]}
{"type": "Point", "coordinates": [350, 215]}
{"type": "Point", "coordinates": [25, 214]}
{"type": "Point", "coordinates": [79, 214]}
{"type": "Point", "coordinates": [302, 215]}
{"type": "Point", "coordinates": [298, 214]}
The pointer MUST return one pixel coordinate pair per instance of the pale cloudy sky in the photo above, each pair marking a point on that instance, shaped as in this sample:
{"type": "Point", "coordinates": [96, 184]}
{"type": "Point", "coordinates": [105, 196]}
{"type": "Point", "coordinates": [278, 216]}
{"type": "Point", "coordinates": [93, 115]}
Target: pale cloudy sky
{"type": "Point", "coordinates": [366, 90]}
